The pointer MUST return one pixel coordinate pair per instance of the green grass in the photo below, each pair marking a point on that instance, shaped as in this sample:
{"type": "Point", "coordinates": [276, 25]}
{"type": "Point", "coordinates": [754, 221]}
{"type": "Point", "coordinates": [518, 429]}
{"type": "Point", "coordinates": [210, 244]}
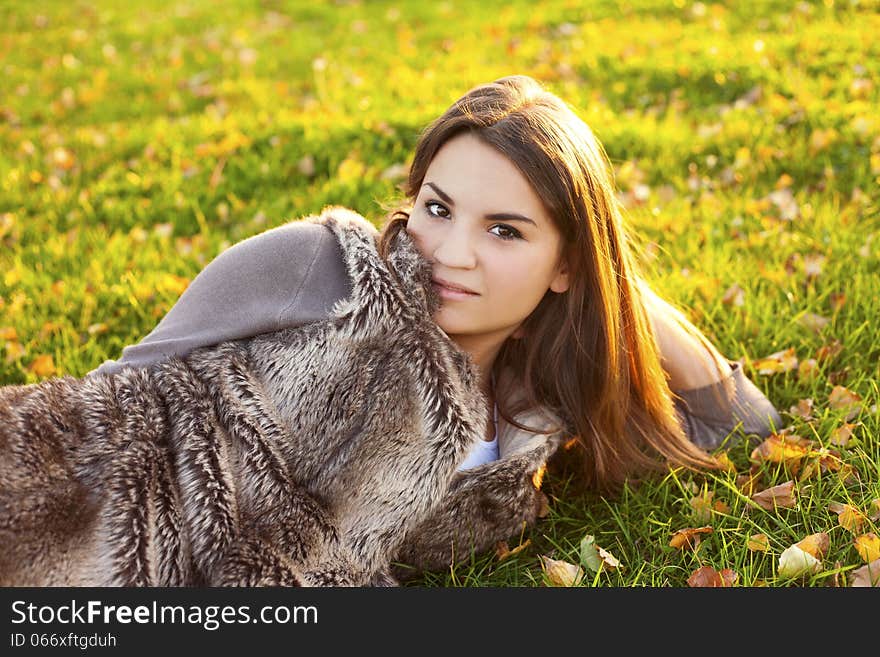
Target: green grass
{"type": "Point", "coordinates": [139, 139]}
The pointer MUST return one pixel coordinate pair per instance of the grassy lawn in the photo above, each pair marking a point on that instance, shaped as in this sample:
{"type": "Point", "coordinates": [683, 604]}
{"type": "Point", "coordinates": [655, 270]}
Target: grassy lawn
{"type": "Point", "coordinates": [139, 139]}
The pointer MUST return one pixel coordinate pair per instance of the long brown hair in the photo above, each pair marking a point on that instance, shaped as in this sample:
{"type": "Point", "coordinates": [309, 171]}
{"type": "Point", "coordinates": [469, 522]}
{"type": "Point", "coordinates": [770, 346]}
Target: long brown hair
{"type": "Point", "coordinates": [589, 354]}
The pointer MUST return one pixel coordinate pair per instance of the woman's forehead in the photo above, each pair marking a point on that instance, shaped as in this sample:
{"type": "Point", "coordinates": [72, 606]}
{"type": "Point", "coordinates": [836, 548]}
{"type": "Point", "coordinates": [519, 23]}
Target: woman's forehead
{"type": "Point", "coordinates": [473, 172]}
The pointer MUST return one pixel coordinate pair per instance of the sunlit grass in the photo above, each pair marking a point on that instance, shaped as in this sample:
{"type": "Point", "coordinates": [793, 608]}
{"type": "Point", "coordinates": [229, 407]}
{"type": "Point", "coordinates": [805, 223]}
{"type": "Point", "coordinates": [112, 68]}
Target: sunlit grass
{"type": "Point", "coordinates": [139, 139]}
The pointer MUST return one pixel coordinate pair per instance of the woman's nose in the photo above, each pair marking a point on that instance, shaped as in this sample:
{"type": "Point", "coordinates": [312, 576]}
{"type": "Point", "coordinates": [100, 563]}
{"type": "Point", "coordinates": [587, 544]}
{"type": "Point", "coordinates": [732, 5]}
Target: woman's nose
{"type": "Point", "coordinates": [455, 249]}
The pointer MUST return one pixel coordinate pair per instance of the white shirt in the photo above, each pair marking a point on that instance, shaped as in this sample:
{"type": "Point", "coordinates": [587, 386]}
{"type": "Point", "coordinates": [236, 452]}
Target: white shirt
{"type": "Point", "coordinates": [484, 451]}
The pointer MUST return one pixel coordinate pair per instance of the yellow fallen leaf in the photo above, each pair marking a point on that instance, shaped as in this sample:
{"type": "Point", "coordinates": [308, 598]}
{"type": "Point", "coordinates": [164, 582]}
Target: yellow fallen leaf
{"type": "Point", "coordinates": [781, 496]}
{"type": "Point", "coordinates": [724, 461]}
{"type": "Point", "coordinates": [867, 575]}
{"type": "Point", "coordinates": [42, 366]}
{"type": "Point", "coordinates": [794, 562]}
{"type": "Point", "coordinates": [561, 573]}
{"type": "Point", "coordinates": [779, 448]}
{"type": "Point", "coordinates": [758, 543]}
{"type": "Point", "coordinates": [688, 537]}
{"type": "Point", "coordinates": [868, 546]}
{"type": "Point", "coordinates": [816, 544]}
{"type": "Point", "coordinates": [848, 516]}
{"type": "Point", "coordinates": [781, 361]}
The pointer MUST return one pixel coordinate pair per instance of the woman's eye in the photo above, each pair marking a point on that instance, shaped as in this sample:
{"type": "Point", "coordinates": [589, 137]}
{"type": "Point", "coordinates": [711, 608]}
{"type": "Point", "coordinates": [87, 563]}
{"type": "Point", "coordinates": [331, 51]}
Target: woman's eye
{"type": "Point", "coordinates": [436, 209]}
{"type": "Point", "coordinates": [507, 232]}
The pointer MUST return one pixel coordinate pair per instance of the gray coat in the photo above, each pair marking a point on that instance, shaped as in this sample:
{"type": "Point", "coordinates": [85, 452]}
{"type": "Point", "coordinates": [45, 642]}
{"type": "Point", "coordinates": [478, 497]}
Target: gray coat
{"type": "Point", "coordinates": [306, 455]}
{"type": "Point", "coordinates": [296, 418]}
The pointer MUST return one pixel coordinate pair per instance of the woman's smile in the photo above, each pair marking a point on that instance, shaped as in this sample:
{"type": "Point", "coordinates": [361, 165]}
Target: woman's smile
{"type": "Point", "coordinates": [451, 291]}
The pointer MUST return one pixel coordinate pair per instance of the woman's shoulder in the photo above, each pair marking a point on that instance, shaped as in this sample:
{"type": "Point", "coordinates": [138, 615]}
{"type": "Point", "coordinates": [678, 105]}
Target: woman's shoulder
{"type": "Point", "coordinates": [286, 276]}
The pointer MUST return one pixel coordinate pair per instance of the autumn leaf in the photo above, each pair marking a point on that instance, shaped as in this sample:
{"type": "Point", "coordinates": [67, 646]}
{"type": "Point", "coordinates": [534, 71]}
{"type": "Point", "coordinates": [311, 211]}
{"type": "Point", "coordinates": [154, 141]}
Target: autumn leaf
{"type": "Point", "coordinates": [724, 462]}
{"type": "Point", "coordinates": [42, 366]}
{"type": "Point", "coordinates": [758, 543]}
{"type": "Point", "coordinates": [867, 575]}
{"type": "Point", "coordinates": [849, 517]}
{"type": "Point", "coordinates": [816, 544]}
{"type": "Point", "coordinates": [689, 537]}
{"type": "Point", "coordinates": [808, 369]}
{"type": "Point", "coordinates": [829, 352]}
{"type": "Point", "coordinates": [594, 557]}
{"type": "Point", "coordinates": [868, 546]}
{"type": "Point", "coordinates": [706, 576]}
{"type": "Point", "coordinates": [842, 398]}
{"type": "Point", "coordinates": [8, 333]}
{"type": "Point", "coordinates": [589, 553]}
{"type": "Point", "coordinates": [780, 361]}
{"type": "Point", "coordinates": [561, 573]}
{"type": "Point", "coordinates": [782, 448]}
{"type": "Point", "coordinates": [502, 550]}
{"type": "Point", "coordinates": [795, 561]}
{"type": "Point", "coordinates": [841, 435]}
{"type": "Point", "coordinates": [803, 409]}
{"type": "Point", "coordinates": [781, 496]}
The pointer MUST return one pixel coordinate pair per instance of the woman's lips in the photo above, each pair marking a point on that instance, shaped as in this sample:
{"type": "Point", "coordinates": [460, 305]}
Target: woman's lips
{"type": "Point", "coordinates": [446, 292]}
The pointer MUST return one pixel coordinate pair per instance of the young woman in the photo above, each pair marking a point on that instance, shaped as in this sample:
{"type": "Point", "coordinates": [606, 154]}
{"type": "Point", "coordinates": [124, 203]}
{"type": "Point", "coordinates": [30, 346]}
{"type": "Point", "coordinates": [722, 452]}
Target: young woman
{"type": "Point", "coordinates": [511, 198]}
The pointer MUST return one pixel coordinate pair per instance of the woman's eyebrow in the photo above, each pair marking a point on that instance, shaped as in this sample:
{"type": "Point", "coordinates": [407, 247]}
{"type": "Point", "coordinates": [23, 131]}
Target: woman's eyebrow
{"type": "Point", "coordinates": [495, 216]}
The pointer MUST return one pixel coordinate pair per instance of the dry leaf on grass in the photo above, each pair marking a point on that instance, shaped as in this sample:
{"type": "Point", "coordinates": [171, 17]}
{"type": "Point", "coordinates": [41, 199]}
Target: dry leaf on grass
{"type": "Point", "coordinates": [502, 550]}
{"type": "Point", "coordinates": [794, 562]}
{"type": "Point", "coordinates": [594, 557]}
{"type": "Point", "coordinates": [842, 398]}
{"type": "Point", "coordinates": [758, 543]}
{"type": "Point", "coordinates": [706, 576]}
{"type": "Point", "coordinates": [816, 544]}
{"type": "Point", "coordinates": [803, 409]}
{"type": "Point", "coordinates": [781, 361]}
{"type": "Point", "coordinates": [688, 537]}
{"type": "Point", "coordinates": [841, 435]}
{"type": "Point", "coordinates": [781, 496]}
{"type": "Point", "coordinates": [782, 448]}
{"type": "Point", "coordinates": [867, 575]}
{"type": "Point", "coordinates": [805, 556]}
{"type": "Point", "coordinates": [868, 547]}
{"type": "Point", "coordinates": [849, 517]}
{"type": "Point", "coordinates": [561, 573]}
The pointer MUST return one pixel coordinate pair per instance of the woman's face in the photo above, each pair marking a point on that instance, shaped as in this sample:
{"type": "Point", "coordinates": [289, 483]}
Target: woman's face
{"type": "Point", "coordinates": [477, 219]}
